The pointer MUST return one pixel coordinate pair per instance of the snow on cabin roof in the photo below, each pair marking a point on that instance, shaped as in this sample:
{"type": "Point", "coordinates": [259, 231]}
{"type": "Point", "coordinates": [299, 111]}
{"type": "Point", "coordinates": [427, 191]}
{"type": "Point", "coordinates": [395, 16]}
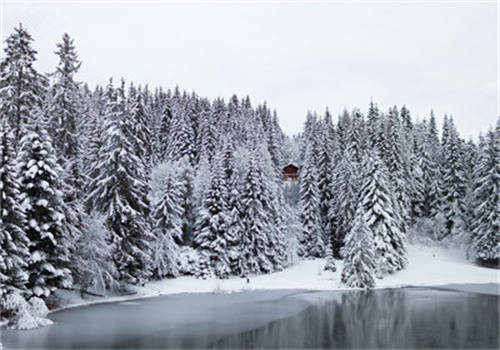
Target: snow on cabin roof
{"type": "Point", "coordinates": [291, 165]}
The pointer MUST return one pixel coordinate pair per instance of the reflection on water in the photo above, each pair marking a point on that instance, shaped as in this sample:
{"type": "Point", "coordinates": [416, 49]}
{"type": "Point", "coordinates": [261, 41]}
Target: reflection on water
{"type": "Point", "coordinates": [398, 318]}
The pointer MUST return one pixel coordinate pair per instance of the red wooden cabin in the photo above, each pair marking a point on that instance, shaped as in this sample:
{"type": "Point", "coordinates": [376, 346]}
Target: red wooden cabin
{"type": "Point", "coordinates": [290, 173]}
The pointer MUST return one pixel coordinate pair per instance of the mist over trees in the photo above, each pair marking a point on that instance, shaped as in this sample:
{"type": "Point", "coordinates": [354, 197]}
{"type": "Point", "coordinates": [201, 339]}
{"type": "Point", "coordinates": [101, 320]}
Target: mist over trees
{"type": "Point", "coordinates": [121, 184]}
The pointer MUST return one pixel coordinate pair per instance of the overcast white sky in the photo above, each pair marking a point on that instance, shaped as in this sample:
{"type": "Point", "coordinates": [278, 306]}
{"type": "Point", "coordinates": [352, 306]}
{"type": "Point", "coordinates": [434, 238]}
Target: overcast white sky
{"type": "Point", "coordinates": [296, 56]}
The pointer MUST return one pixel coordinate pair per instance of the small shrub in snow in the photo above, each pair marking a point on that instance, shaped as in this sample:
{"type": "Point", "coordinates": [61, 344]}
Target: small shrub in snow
{"type": "Point", "coordinates": [330, 261]}
{"type": "Point", "coordinates": [188, 261]}
{"type": "Point", "coordinates": [422, 232]}
{"type": "Point", "coordinates": [24, 315]}
{"type": "Point", "coordinates": [95, 269]}
{"type": "Point", "coordinates": [204, 269]}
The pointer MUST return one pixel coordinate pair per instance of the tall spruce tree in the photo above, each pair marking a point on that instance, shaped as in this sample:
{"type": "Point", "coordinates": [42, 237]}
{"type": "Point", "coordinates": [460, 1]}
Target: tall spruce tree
{"type": "Point", "coordinates": [211, 235]}
{"type": "Point", "coordinates": [311, 240]}
{"type": "Point", "coordinates": [325, 171]}
{"type": "Point", "coordinates": [343, 205]}
{"type": "Point", "coordinates": [64, 113]}
{"type": "Point", "coordinates": [119, 192]}
{"type": "Point", "coordinates": [14, 243]}
{"type": "Point", "coordinates": [167, 226]}
{"type": "Point", "coordinates": [360, 260]}
{"type": "Point", "coordinates": [486, 199]}
{"type": "Point", "coordinates": [255, 220]}
{"type": "Point", "coordinates": [381, 214]}
{"type": "Point", "coordinates": [454, 185]}
{"type": "Point", "coordinates": [41, 198]}
{"type": "Point", "coordinates": [22, 88]}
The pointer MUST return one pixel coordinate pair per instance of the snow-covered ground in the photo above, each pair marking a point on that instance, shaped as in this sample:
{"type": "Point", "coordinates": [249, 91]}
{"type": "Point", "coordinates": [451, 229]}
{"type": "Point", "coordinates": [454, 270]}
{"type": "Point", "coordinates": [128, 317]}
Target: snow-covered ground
{"type": "Point", "coordinates": [428, 266]}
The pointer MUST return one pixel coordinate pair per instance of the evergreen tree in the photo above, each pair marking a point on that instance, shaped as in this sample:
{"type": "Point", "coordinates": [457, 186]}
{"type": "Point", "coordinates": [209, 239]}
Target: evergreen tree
{"type": "Point", "coordinates": [162, 133]}
{"type": "Point", "coordinates": [41, 198]}
{"type": "Point", "coordinates": [255, 220]}
{"type": "Point", "coordinates": [120, 191]}
{"type": "Point", "coordinates": [211, 236]}
{"type": "Point", "coordinates": [343, 205]}
{"type": "Point", "coordinates": [373, 125]}
{"type": "Point", "coordinates": [396, 165]}
{"type": "Point", "coordinates": [141, 133]}
{"type": "Point", "coordinates": [22, 88]}
{"type": "Point", "coordinates": [167, 219]}
{"type": "Point", "coordinates": [64, 109]}
{"type": "Point", "coordinates": [360, 260]}
{"type": "Point", "coordinates": [64, 112]}
{"type": "Point", "coordinates": [486, 218]}
{"type": "Point", "coordinates": [381, 215]}
{"type": "Point", "coordinates": [233, 200]}
{"type": "Point", "coordinates": [325, 171]}
{"type": "Point", "coordinates": [181, 137]}
{"type": "Point", "coordinates": [208, 132]}
{"type": "Point", "coordinates": [453, 188]}
{"type": "Point", "coordinates": [14, 252]}
{"type": "Point", "coordinates": [311, 243]}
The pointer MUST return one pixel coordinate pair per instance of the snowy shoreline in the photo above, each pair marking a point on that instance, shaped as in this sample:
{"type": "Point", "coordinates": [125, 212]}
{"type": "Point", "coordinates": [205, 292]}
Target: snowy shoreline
{"type": "Point", "coordinates": [428, 267]}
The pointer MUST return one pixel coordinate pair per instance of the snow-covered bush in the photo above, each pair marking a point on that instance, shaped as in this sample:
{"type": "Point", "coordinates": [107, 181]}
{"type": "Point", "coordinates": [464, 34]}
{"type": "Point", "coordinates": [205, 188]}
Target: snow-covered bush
{"type": "Point", "coordinates": [423, 231]}
{"type": "Point", "coordinates": [293, 229]}
{"type": "Point", "coordinates": [157, 183]}
{"type": "Point", "coordinates": [95, 268]}
{"type": "Point", "coordinates": [22, 314]}
{"type": "Point", "coordinates": [188, 261]}
{"type": "Point", "coordinates": [204, 269]}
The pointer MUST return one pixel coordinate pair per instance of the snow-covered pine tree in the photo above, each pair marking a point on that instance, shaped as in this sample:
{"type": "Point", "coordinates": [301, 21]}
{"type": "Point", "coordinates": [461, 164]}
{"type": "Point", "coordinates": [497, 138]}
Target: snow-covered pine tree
{"type": "Point", "coordinates": [372, 125]}
{"type": "Point", "coordinates": [141, 132]}
{"type": "Point", "coordinates": [429, 177]}
{"type": "Point", "coordinates": [274, 143]}
{"type": "Point", "coordinates": [354, 135]}
{"type": "Point", "coordinates": [360, 262]}
{"type": "Point", "coordinates": [22, 88]}
{"type": "Point", "coordinates": [41, 198]}
{"type": "Point", "coordinates": [208, 134]}
{"type": "Point", "coordinates": [181, 137]}
{"type": "Point", "coordinates": [486, 199]}
{"type": "Point", "coordinates": [382, 217]}
{"type": "Point", "coordinates": [185, 176]}
{"type": "Point", "coordinates": [330, 260]}
{"type": "Point", "coordinates": [64, 105]}
{"type": "Point", "coordinates": [255, 219]}
{"type": "Point", "coordinates": [417, 185]}
{"type": "Point", "coordinates": [14, 252]}
{"type": "Point", "coordinates": [161, 141]}
{"type": "Point", "coordinates": [233, 200]}
{"type": "Point", "coordinates": [64, 113]}
{"type": "Point", "coordinates": [343, 204]}
{"type": "Point", "coordinates": [325, 171]}
{"type": "Point", "coordinates": [211, 236]}
{"type": "Point", "coordinates": [454, 185]}
{"type": "Point", "coordinates": [311, 240]}
{"type": "Point", "coordinates": [275, 205]}
{"type": "Point", "coordinates": [167, 226]}
{"type": "Point", "coordinates": [396, 164]}
{"type": "Point", "coordinates": [119, 192]}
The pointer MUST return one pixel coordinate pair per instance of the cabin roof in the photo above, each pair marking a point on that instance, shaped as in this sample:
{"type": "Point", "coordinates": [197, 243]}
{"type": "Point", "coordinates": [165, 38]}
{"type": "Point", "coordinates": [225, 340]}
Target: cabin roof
{"type": "Point", "coordinates": [291, 166]}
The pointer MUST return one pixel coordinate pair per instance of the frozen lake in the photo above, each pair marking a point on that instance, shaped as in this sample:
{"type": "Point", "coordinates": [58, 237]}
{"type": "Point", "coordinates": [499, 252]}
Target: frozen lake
{"type": "Point", "coordinates": [400, 318]}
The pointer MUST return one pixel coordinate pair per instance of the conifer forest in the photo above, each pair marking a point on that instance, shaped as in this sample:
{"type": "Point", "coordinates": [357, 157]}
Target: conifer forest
{"type": "Point", "coordinates": [106, 188]}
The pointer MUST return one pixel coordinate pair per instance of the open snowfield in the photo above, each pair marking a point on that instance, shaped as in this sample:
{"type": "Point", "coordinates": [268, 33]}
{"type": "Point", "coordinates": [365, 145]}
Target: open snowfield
{"type": "Point", "coordinates": [428, 266]}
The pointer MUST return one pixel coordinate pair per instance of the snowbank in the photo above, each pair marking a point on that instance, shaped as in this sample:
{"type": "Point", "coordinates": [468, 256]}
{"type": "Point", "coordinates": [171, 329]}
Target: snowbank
{"type": "Point", "coordinates": [428, 266]}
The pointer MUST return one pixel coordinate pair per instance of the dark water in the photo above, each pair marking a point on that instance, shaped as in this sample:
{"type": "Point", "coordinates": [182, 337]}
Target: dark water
{"type": "Point", "coordinates": [393, 318]}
